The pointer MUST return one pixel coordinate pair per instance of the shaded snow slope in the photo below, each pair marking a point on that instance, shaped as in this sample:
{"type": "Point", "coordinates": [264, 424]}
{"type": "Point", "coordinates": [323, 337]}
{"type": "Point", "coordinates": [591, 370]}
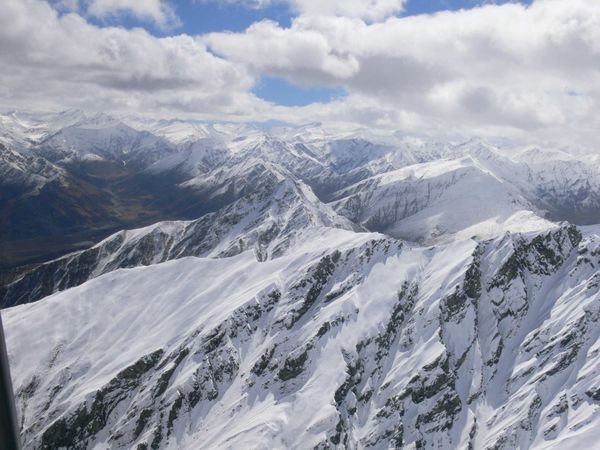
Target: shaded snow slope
{"type": "Point", "coordinates": [26, 173]}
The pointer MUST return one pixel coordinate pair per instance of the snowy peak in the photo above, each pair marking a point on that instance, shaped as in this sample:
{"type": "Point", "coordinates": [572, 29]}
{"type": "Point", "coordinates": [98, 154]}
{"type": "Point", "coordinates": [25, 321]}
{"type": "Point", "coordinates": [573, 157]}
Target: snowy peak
{"type": "Point", "coordinates": [414, 202]}
{"type": "Point", "coordinates": [21, 130]}
{"type": "Point", "coordinates": [106, 138]}
{"type": "Point", "coordinates": [18, 133]}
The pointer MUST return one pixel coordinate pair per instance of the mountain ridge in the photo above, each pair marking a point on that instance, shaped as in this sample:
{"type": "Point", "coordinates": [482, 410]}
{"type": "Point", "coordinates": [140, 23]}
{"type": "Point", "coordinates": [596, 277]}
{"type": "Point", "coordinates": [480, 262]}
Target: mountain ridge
{"type": "Point", "coordinates": [404, 331]}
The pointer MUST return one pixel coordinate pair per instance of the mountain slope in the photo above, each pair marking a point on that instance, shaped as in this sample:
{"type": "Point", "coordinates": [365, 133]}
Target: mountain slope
{"type": "Point", "coordinates": [21, 130]}
{"type": "Point", "coordinates": [131, 172]}
{"type": "Point", "coordinates": [368, 343]}
{"type": "Point", "coordinates": [439, 200]}
{"type": "Point", "coordinates": [26, 174]}
{"type": "Point", "coordinates": [268, 213]}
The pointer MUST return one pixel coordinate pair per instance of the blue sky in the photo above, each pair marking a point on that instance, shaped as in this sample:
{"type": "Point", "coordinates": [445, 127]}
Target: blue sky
{"type": "Point", "coordinates": [206, 16]}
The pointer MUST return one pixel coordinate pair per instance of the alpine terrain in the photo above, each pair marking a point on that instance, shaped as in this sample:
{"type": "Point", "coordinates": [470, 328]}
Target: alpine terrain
{"type": "Point", "coordinates": [186, 285]}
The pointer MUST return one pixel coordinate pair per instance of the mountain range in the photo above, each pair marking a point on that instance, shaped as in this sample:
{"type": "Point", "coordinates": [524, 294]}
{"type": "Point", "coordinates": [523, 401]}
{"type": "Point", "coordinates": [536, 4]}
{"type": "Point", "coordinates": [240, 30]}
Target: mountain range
{"type": "Point", "coordinates": [181, 284]}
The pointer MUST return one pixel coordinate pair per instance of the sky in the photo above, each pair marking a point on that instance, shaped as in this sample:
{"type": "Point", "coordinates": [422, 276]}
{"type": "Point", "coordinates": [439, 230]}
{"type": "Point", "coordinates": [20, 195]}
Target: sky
{"type": "Point", "coordinates": [503, 68]}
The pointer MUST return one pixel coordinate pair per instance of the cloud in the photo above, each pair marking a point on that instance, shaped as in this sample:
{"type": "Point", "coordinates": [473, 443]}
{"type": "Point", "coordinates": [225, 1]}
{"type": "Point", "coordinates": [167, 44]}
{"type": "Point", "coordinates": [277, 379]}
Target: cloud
{"type": "Point", "coordinates": [306, 56]}
{"type": "Point", "coordinates": [494, 67]}
{"type": "Point", "coordinates": [371, 10]}
{"type": "Point", "coordinates": [156, 11]}
{"type": "Point", "coordinates": [67, 5]}
{"type": "Point", "coordinates": [51, 60]}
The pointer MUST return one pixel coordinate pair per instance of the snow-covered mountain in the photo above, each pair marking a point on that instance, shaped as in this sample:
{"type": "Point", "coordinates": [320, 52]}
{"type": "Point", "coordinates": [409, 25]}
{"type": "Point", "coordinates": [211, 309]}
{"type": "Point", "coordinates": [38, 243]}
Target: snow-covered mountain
{"type": "Point", "coordinates": [104, 138]}
{"type": "Point", "coordinates": [351, 340]}
{"type": "Point", "coordinates": [412, 202]}
{"type": "Point", "coordinates": [21, 129]}
{"type": "Point", "coordinates": [298, 288]}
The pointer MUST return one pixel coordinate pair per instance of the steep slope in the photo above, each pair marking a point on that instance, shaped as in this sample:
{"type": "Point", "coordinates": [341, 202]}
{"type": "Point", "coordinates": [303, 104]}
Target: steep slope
{"type": "Point", "coordinates": [266, 211]}
{"type": "Point", "coordinates": [327, 165]}
{"type": "Point", "coordinates": [561, 181]}
{"type": "Point", "coordinates": [476, 189]}
{"type": "Point", "coordinates": [350, 340]}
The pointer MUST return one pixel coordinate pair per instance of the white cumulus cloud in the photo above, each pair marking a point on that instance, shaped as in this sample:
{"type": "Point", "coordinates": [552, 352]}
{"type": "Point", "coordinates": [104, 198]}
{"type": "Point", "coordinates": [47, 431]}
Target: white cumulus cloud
{"type": "Point", "coordinates": [51, 60]}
